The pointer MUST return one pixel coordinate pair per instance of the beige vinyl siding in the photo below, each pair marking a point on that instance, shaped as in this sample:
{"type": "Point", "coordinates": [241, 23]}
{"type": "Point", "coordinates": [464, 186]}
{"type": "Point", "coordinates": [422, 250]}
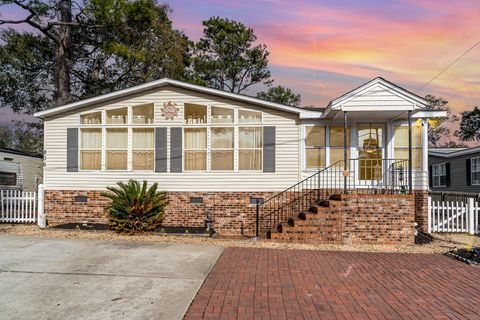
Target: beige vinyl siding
{"type": "Point", "coordinates": [287, 149]}
{"type": "Point", "coordinates": [378, 96]}
{"type": "Point", "coordinates": [31, 170]}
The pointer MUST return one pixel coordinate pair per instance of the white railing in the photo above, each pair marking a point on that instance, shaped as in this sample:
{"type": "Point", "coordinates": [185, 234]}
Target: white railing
{"type": "Point", "coordinates": [453, 216]}
{"type": "Point", "coordinates": [18, 206]}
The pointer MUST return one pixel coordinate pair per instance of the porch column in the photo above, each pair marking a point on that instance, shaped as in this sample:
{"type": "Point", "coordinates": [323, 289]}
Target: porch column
{"type": "Point", "coordinates": [410, 169]}
{"type": "Point", "coordinates": [345, 166]}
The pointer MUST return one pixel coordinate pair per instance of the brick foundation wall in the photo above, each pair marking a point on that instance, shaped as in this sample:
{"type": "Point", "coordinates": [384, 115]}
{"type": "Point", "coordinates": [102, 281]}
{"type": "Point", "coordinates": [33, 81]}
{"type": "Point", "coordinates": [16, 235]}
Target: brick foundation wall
{"type": "Point", "coordinates": [378, 219]}
{"type": "Point", "coordinates": [228, 209]}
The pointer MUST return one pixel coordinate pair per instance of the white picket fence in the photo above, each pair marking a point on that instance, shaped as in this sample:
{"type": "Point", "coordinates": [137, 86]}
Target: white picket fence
{"type": "Point", "coordinates": [18, 206]}
{"type": "Point", "coordinates": [454, 216]}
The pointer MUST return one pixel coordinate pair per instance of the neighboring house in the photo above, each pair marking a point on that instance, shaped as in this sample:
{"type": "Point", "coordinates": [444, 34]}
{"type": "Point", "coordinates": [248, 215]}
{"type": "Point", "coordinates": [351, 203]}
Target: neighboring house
{"type": "Point", "coordinates": [20, 170]}
{"type": "Point", "coordinates": [217, 152]}
{"type": "Point", "coordinates": [454, 169]}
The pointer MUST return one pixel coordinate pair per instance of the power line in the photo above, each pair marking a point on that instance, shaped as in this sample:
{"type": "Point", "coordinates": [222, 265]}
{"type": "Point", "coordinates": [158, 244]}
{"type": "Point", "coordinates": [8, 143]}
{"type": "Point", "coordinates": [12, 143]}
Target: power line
{"type": "Point", "coordinates": [448, 67]}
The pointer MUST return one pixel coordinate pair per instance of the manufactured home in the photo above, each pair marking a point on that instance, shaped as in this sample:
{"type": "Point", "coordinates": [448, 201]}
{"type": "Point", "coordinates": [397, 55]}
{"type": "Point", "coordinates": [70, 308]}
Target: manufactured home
{"type": "Point", "coordinates": [20, 170]}
{"type": "Point", "coordinates": [255, 167]}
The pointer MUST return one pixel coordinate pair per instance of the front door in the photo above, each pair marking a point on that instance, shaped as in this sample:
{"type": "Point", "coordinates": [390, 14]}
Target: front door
{"type": "Point", "coordinates": [370, 153]}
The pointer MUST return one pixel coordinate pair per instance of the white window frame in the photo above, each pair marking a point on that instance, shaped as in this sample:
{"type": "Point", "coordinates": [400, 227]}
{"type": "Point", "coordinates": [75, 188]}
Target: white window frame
{"type": "Point", "coordinates": [436, 173]}
{"type": "Point", "coordinates": [209, 125]}
{"type": "Point", "coordinates": [472, 160]}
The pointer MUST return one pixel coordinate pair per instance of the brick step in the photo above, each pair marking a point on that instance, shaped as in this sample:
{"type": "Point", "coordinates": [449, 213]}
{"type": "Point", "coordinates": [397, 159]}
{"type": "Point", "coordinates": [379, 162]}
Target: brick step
{"type": "Point", "coordinates": [299, 238]}
{"type": "Point", "coordinates": [314, 221]}
{"type": "Point", "coordinates": [312, 228]}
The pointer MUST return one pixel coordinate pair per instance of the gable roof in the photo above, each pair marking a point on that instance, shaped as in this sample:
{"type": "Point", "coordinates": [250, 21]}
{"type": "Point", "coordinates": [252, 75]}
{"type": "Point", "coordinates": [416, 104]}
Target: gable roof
{"type": "Point", "coordinates": [304, 113]}
{"type": "Point", "coordinates": [452, 152]}
{"type": "Point", "coordinates": [402, 92]}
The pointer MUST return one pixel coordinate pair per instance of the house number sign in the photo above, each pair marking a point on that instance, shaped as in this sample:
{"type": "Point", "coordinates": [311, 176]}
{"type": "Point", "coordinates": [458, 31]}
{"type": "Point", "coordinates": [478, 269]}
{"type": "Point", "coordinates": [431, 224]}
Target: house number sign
{"type": "Point", "coordinates": [169, 110]}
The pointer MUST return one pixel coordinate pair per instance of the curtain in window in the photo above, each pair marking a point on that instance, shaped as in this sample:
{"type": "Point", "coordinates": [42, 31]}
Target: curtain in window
{"type": "Point", "coordinates": [117, 144]}
{"type": "Point", "coordinates": [90, 149]}
{"type": "Point", "coordinates": [222, 148]}
{"type": "Point", "coordinates": [315, 147]}
{"type": "Point", "coordinates": [195, 145]}
{"type": "Point", "coordinates": [250, 139]}
{"type": "Point", "coordinates": [143, 149]}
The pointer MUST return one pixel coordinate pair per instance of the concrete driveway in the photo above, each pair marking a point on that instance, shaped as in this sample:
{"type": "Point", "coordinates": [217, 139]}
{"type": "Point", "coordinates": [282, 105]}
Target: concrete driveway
{"type": "Point", "coordinates": [85, 279]}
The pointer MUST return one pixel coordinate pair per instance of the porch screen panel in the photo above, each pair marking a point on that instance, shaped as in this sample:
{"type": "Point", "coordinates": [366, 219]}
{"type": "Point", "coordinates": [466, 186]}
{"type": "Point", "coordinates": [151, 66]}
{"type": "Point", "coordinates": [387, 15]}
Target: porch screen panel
{"type": "Point", "coordinates": [315, 147]}
{"type": "Point", "coordinates": [336, 144]}
{"type": "Point", "coordinates": [401, 144]}
{"type": "Point", "coordinates": [250, 148]}
{"type": "Point", "coordinates": [195, 149]}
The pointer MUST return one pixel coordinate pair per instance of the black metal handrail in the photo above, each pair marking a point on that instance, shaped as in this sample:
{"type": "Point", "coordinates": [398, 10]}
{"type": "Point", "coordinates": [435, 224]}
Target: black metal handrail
{"type": "Point", "coordinates": [353, 175]}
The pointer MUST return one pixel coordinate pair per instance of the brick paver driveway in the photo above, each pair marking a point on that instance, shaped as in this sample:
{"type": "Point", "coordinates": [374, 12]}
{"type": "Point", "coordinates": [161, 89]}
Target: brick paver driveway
{"type": "Point", "coordinates": [296, 284]}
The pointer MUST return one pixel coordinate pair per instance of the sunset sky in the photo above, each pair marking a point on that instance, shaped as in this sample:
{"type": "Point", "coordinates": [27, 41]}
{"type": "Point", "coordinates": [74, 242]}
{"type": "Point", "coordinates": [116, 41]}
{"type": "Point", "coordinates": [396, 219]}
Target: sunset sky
{"type": "Point", "coordinates": [322, 49]}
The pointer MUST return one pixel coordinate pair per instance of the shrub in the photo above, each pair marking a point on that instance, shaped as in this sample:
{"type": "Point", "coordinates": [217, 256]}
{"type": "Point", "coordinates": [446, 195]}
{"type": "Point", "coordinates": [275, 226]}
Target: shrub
{"type": "Point", "coordinates": [135, 208]}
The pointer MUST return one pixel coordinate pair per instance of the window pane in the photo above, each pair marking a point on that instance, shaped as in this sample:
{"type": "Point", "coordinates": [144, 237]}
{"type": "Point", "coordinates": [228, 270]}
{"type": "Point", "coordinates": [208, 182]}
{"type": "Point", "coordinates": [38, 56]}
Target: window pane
{"type": "Point", "coordinates": [8, 178]}
{"type": "Point", "coordinates": [245, 116]}
{"type": "Point", "coordinates": [143, 138]}
{"type": "Point", "coordinates": [370, 134]}
{"type": "Point", "coordinates": [222, 138]}
{"type": "Point", "coordinates": [222, 115]}
{"type": "Point", "coordinates": [336, 154]}
{"type": "Point", "coordinates": [142, 114]}
{"type": "Point", "coordinates": [91, 118]}
{"type": "Point", "coordinates": [443, 180]}
{"type": "Point", "coordinates": [401, 136]}
{"type": "Point", "coordinates": [336, 136]}
{"type": "Point", "coordinates": [250, 137]}
{"type": "Point", "coordinates": [475, 164]}
{"type": "Point", "coordinates": [117, 139]}
{"type": "Point", "coordinates": [195, 138]}
{"type": "Point", "coordinates": [315, 158]}
{"type": "Point", "coordinates": [315, 136]}
{"type": "Point", "coordinates": [195, 114]}
{"type": "Point", "coordinates": [222, 160]}
{"type": "Point", "coordinates": [90, 160]}
{"type": "Point", "coordinates": [143, 160]}
{"type": "Point", "coordinates": [195, 160]}
{"type": "Point", "coordinates": [117, 116]}
{"type": "Point", "coordinates": [91, 138]}
{"type": "Point", "coordinates": [117, 160]}
{"type": "Point", "coordinates": [402, 154]}
{"type": "Point", "coordinates": [250, 159]}
{"type": "Point", "coordinates": [475, 177]}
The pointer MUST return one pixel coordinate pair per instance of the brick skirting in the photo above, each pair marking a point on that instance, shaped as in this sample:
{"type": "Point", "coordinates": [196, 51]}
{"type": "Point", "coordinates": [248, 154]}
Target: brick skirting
{"type": "Point", "coordinates": [228, 209]}
{"type": "Point", "coordinates": [390, 219]}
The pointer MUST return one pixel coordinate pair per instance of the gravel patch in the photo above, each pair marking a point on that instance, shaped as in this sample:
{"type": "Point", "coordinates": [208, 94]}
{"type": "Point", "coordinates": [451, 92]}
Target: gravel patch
{"type": "Point", "coordinates": [440, 243]}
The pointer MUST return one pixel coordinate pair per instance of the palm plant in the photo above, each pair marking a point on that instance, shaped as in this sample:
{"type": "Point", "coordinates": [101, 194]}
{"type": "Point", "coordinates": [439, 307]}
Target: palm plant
{"type": "Point", "coordinates": [134, 207]}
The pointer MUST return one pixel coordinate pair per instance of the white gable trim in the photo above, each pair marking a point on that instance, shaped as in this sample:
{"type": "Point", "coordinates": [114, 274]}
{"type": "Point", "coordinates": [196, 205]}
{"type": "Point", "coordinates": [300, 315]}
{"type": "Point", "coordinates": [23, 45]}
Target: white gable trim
{"type": "Point", "coordinates": [169, 82]}
{"type": "Point", "coordinates": [417, 102]}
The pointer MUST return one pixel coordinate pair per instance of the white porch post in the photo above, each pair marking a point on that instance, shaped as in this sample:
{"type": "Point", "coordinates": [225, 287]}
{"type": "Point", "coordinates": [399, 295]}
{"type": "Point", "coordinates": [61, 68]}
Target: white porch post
{"type": "Point", "coordinates": [425, 147]}
{"type": "Point", "coordinates": [410, 169]}
{"type": "Point", "coordinates": [42, 223]}
{"type": "Point", "coordinates": [345, 166]}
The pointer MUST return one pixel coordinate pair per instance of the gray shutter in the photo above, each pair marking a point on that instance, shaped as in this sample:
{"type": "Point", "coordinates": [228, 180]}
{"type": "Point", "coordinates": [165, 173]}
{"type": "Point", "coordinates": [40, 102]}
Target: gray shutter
{"type": "Point", "coordinates": [160, 149]}
{"type": "Point", "coordinates": [176, 149]}
{"type": "Point", "coordinates": [268, 149]}
{"type": "Point", "coordinates": [72, 149]}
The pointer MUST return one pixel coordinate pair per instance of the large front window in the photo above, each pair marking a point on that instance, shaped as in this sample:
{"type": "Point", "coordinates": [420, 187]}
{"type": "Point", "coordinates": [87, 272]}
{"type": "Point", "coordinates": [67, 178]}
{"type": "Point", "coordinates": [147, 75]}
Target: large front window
{"type": "Point", "coordinates": [222, 139]}
{"type": "Point", "coordinates": [143, 149]}
{"type": "Point", "coordinates": [439, 175]}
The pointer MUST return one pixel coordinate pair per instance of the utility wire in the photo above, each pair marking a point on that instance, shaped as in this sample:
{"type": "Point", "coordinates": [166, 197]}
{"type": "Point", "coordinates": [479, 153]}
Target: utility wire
{"type": "Point", "coordinates": [448, 67]}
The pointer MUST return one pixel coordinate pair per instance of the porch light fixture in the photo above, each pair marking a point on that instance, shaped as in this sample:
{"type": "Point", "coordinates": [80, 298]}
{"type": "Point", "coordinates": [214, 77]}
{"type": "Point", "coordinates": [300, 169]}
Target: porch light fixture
{"type": "Point", "coordinates": [370, 145]}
